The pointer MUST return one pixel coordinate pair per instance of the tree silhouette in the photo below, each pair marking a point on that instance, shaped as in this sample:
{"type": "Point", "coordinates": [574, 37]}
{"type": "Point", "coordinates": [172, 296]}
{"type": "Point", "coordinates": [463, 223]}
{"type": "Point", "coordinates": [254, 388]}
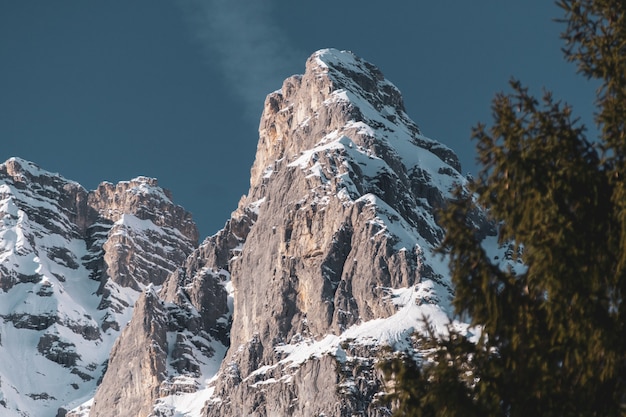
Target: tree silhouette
{"type": "Point", "coordinates": [553, 338]}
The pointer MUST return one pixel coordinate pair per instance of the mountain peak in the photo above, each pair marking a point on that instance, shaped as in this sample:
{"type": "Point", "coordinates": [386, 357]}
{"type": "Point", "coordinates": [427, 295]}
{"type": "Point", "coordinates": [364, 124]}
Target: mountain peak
{"type": "Point", "coordinates": [22, 170]}
{"type": "Point", "coordinates": [337, 258]}
{"type": "Point", "coordinates": [356, 75]}
{"type": "Point", "coordinates": [334, 61]}
{"type": "Point", "coordinates": [145, 186]}
{"type": "Point", "coordinates": [341, 95]}
{"type": "Point", "coordinates": [19, 163]}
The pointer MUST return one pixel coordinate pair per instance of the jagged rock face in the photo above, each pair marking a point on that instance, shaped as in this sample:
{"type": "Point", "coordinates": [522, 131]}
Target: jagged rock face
{"type": "Point", "coordinates": [141, 344]}
{"type": "Point", "coordinates": [142, 203]}
{"type": "Point", "coordinates": [72, 264]}
{"type": "Point", "coordinates": [147, 237]}
{"type": "Point", "coordinates": [143, 198]}
{"type": "Point", "coordinates": [346, 189]}
{"type": "Point", "coordinates": [193, 305]}
{"type": "Point", "coordinates": [316, 230]}
{"type": "Point", "coordinates": [326, 260]}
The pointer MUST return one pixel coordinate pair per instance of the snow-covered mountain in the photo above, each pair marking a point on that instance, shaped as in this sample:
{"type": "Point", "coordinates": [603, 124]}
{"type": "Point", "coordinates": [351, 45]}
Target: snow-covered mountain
{"type": "Point", "coordinates": [327, 260]}
{"type": "Point", "coordinates": [72, 265]}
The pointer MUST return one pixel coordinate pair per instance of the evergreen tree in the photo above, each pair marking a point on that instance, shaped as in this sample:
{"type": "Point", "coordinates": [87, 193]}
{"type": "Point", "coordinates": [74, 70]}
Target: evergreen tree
{"type": "Point", "coordinates": [553, 339]}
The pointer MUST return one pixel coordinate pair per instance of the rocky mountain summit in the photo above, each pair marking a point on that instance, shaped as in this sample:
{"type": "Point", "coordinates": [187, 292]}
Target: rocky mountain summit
{"type": "Point", "coordinates": [327, 261]}
{"type": "Point", "coordinates": [345, 187]}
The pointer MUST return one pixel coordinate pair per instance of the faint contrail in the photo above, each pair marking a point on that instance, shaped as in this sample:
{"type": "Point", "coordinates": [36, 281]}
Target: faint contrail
{"type": "Point", "coordinates": [240, 39]}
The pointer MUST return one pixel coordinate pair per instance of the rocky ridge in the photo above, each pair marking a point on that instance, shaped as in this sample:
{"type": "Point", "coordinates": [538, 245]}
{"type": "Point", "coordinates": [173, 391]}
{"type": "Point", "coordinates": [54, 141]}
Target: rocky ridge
{"type": "Point", "coordinates": [72, 264]}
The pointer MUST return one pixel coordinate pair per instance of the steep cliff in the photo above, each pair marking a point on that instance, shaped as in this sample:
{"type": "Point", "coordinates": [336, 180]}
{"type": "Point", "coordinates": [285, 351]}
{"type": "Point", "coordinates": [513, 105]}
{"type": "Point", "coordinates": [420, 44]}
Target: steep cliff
{"type": "Point", "coordinates": [339, 261]}
{"type": "Point", "coordinates": [72, 265]}
{"type": "Point", "coordinates": [183, 333]}
{"type": "Point", "coordinates": [327, 260]}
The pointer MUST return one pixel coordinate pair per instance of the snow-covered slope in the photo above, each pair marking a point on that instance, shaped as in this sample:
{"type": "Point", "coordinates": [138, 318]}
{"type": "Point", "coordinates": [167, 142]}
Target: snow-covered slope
{"type": "Point", "coordinates": [72, 265]}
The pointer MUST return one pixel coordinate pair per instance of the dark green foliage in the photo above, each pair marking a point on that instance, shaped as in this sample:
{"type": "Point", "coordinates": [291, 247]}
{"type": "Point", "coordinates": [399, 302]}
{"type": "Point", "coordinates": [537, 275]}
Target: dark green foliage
{"type": "Point", "coordinates": [554, 337]}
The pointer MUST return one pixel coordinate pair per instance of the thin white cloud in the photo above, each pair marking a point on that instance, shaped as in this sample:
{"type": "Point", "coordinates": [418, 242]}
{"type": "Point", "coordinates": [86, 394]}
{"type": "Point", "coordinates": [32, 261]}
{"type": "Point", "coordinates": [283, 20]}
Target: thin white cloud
{"type": "Point", "coordinates": [241, 40]}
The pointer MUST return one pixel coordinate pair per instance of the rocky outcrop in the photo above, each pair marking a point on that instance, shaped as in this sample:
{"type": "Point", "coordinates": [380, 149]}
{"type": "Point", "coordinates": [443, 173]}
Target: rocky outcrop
{"type": "Point", "coordinates": [194, 307]}
{"type": "Point", "coordinates": [143, 346]}
{"type": "Point", "coordinates": [139, 237]}
{"type": "Point", "coordinates": [72, 265]}
{"type": "Point", "coordinates": [167, 232]}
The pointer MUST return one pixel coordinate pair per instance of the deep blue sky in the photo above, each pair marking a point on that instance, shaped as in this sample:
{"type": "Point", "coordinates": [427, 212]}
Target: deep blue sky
{"type": "Point", "coordinates": [173, 89]}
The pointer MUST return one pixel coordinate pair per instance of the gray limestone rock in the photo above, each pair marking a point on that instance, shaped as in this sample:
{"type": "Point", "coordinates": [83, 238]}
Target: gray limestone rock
{"type": "Point", "coordinates": [194, 313]}
{"type": "Point", "coordinates": [148, 235]}
{"type": "Point", "coordinates": [342, 180]}
{"type": "Point", "coordinates": [141, 352]}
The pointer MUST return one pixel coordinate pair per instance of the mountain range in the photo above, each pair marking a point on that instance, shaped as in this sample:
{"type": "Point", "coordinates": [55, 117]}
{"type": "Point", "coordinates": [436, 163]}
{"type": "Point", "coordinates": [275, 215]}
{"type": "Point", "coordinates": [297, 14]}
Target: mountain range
{"type": "Point", "coordinates": [111, 306]}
